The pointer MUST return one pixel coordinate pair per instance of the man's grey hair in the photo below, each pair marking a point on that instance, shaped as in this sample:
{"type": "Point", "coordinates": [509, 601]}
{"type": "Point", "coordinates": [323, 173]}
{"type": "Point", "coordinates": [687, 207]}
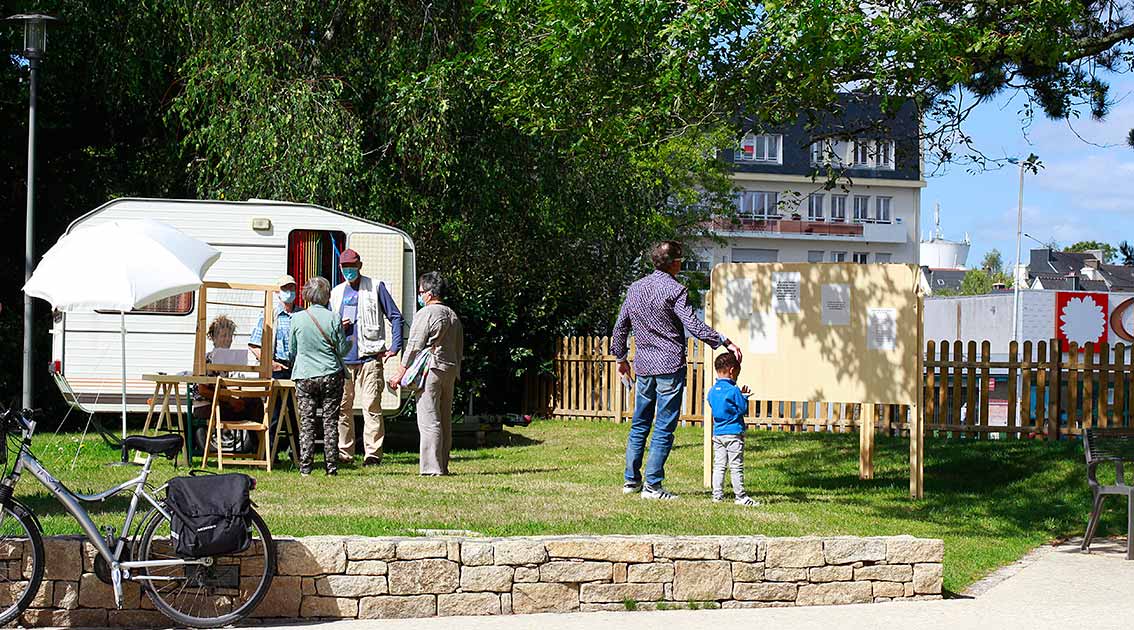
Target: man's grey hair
{"type": "Point", "coordinates": [317, 291]}
{"type": "Point", "coordinates": [665, 253]}
{"type": "Point", "coordinates": [434, 283]}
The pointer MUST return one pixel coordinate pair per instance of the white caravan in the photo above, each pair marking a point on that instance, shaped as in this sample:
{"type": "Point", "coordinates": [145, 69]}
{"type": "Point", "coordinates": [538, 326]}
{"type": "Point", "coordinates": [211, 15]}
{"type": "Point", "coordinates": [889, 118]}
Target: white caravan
{"type": "Point", "coordinates": [259, 241]}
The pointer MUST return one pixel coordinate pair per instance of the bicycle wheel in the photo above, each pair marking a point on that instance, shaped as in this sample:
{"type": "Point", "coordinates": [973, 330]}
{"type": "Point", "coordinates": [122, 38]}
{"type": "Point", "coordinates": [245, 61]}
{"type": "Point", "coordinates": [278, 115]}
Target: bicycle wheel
{"type": "Point", "coordinates": [21, 561]}
{"type": "Point", "coordinates": [202, 596]}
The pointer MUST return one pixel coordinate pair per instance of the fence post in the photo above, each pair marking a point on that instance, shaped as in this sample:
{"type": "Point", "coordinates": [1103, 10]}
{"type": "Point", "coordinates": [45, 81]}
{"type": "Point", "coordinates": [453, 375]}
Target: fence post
{"type": "Point", "coordinates": [1054, 388]}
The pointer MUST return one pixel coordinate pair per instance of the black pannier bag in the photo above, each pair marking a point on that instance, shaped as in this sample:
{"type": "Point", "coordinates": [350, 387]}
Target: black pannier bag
{"type": "Point", "coordinates": [209, 514]}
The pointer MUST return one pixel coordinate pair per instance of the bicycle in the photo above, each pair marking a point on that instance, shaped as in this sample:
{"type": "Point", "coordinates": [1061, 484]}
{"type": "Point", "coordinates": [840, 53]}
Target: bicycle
{"type": "Point", "coordinates": [197, 592]}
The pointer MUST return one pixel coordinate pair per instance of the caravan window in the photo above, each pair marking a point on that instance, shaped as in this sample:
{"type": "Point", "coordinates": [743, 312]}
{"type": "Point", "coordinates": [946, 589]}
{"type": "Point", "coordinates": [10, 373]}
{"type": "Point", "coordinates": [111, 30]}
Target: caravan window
{"type": "Point", "coordinates": [180, 304]}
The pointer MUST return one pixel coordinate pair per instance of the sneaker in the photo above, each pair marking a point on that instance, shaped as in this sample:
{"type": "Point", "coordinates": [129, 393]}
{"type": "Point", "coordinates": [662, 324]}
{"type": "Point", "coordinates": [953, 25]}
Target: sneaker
{"type": "Point", "coordinates": [630, 487]}
{"type": "Point", "coordinates": [304, 474]}
{"type": "Point", "coordinates": [659, 492]}
{"type": "Point", "coordinates": [371, 461]}
{"type": "Point", "coordinates": [747, 501]}
{"type": "Point", "coordinates": [718, 499]}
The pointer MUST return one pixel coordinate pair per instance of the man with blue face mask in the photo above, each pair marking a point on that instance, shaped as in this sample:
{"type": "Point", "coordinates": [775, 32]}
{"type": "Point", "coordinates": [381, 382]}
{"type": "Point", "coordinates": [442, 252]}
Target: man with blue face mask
{"type": "Point", "coordinates": [284, 307]}
{"type": "Point", "coordinates": [364, 304]}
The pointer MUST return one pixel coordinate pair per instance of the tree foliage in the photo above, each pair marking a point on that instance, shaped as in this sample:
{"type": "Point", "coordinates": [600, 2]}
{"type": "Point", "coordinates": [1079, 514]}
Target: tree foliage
{"type": "Point", "coordinates": [533, 148]}
{"type": "Point", "coordinates": [980, 281]}
{"type": "Point", "coordinates": [1108, 250]}
{"type": "Point", "coordinates": [1126, 251]}
{"type": "Point", "coordinates": [992, 262]}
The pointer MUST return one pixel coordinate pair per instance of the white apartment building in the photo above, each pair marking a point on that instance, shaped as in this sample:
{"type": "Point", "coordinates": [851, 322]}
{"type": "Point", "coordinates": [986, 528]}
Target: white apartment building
{"type": "Point", "coordinates": [784, 214]}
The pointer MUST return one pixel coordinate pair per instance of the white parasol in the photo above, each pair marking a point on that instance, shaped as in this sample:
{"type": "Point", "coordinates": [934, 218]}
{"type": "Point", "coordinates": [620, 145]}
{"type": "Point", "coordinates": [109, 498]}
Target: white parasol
{"type": "Point", "coordinates": [120, 266]}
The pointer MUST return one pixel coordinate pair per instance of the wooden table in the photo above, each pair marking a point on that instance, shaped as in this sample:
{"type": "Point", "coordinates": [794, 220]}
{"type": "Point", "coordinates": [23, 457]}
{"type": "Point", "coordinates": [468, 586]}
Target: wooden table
{"type": "Point", "coordinates": [166, 385]}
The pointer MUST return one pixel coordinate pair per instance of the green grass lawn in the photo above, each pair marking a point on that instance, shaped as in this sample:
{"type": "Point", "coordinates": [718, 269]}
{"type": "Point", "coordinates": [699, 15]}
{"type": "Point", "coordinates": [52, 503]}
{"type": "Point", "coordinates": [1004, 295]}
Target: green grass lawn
{"type": "Point", "coordinates": [991, 501]}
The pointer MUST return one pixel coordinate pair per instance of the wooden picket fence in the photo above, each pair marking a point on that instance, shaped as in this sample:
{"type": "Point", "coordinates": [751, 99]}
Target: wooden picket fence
{"type": "Point", "coordinates": [1039, 390]}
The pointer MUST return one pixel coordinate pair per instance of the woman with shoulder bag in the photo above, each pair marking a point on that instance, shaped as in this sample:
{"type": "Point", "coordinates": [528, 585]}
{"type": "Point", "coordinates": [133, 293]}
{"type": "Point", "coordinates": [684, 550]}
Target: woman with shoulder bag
{"type": "Point", "coordinates": [317, 347]}
{"type": "Point", "coordinates": [436, 330]}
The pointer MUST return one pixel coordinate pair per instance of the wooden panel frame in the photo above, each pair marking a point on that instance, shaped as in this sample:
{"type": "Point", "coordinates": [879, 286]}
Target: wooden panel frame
{"type": "Point", "coordinates": [885, 286]}
{"type": "Point", "coordinates": [267, 338]}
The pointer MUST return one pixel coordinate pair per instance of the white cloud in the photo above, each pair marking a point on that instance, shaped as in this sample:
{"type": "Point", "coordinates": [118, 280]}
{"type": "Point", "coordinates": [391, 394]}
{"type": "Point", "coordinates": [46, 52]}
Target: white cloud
{"type": "Point", "coordinates": [1098, 181]}
{"type": "Point", "coordinates": [1063, 137]}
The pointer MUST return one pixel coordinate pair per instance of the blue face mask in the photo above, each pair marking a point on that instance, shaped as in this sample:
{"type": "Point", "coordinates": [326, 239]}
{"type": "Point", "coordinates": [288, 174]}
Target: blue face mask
{"type": "Point", "coordinates": [287, 297]}
{"type": "Point", "coordinates": [420, 300]}
{"type": "Point", "coordinates": [350, 273]}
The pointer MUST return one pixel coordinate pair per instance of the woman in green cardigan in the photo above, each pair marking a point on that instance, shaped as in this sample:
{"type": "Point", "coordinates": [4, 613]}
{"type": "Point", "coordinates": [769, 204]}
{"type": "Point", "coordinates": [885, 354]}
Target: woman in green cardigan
{"type": "Point", "coordinates": [317, 347]}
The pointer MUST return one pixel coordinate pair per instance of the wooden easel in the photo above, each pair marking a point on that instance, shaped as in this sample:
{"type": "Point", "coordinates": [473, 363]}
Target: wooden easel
{"type": "Point", "coordinates": [282, 390]}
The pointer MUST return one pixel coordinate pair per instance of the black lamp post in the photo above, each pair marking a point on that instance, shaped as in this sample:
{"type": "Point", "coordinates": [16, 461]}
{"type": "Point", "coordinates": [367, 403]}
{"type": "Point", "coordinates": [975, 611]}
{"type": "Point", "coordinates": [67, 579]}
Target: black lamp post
{"type": "Point", "coordinates": [35, 44]}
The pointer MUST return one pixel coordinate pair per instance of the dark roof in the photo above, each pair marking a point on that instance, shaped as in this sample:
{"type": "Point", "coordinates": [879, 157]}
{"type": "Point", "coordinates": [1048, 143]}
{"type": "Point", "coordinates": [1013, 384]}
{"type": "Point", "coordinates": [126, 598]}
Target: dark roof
{"type": "Point", "coordinates": [1073, 283]}
{"type": "Point", "coordinates": [1047, 261]}
{"type": "Point", "coordinates": [856, 113]}
{"type": "Point", "coordinates": [949, 279]}
{"type": "Point", "coordinates": [1057, 270]}
{"type": "Point", "coordinates": [1118, 277]}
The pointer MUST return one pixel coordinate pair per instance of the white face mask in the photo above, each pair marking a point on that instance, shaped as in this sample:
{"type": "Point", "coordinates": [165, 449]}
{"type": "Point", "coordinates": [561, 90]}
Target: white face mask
{"type": "Point", "coordinates": [287, 297]}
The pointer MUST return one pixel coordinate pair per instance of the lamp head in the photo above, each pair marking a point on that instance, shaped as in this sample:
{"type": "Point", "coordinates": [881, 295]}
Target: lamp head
{"type": "Point", "coordinates": [35, 33]}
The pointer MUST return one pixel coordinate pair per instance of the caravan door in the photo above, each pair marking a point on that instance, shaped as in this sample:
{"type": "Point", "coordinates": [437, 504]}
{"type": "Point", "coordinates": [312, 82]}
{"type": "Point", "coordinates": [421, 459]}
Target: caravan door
{"type": "Point", "coordinates": [387, 258]}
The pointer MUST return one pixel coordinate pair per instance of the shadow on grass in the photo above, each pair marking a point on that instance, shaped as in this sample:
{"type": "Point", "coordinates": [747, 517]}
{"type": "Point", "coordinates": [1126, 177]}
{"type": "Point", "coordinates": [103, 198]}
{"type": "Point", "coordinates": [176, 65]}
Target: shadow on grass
{"type": "Point", "coordinates": [1026, 486]}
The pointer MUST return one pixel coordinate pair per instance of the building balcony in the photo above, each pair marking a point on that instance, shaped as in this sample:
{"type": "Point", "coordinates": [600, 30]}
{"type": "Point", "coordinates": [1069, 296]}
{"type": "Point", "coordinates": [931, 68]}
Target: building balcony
{"type": "Point", "coordinates": [775, 227]}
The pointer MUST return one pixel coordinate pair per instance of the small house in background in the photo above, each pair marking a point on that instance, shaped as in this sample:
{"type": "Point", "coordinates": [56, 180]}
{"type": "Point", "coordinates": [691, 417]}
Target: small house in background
{"type": "Point", "coordinates": [935, 281]}
{"type": "Point", "coordinates": [1077, 271]}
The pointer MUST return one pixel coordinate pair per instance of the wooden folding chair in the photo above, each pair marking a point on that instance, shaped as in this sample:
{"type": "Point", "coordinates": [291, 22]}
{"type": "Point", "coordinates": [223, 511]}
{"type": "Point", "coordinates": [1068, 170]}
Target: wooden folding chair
{"type": "Point", "coordinates": [239, 389]}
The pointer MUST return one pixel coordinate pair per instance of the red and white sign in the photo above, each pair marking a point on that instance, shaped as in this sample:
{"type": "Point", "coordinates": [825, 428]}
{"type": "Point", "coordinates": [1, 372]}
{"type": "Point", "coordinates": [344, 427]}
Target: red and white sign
{"type": "Point", "coordinates": [1081, 317]}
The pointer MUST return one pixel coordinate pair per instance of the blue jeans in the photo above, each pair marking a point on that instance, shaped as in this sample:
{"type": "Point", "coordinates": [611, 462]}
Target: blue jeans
{"type": "Point", "coordinates": [657, 402]}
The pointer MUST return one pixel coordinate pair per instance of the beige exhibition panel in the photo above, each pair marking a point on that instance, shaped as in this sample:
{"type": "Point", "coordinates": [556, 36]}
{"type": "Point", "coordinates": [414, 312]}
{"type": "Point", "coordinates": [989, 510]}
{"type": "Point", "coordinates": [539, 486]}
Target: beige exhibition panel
{"type": "Point", "coordinates": [828, 332]}
{"type": "Point", "coordinates": [382, 259]}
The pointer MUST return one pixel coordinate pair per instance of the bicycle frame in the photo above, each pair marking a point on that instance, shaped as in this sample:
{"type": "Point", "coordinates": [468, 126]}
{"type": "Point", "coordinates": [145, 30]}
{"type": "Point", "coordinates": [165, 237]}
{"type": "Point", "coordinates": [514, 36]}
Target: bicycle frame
{"type": "Point", "coordinates": [72, 502]}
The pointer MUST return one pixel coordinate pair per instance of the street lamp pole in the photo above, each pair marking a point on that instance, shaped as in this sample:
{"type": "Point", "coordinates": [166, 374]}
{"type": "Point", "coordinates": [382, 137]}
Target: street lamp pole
{"type": "Point", "coordinates": [35, 43]}
{"type": "Point", "coordinates": [1016, 269]}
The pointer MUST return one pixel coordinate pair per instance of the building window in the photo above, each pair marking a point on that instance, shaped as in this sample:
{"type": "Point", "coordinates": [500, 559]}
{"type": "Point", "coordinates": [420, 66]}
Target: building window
{"type": "Point", "coordinates": [757, 204]}
{"type": "Point", "coordinates": [885, 154]}
{"type": "Point", "coordinates": [749, 255]}
{"type": "Point", "coordinates": [838, 256]}
{"type": "Point", "coordinates": [838, 208]}
{"type": "Point", "coordinates": [861, 208]}
{"type": "Point", "coordinates": [760, 148]}
{"type": "Point", "coordinates": [877, 154]}
{"type": "Point", "coordinates": [815, 256]}
{"type": "Point", "coordinates": [882, 258]}
{"type": "Point", "coordinates": [180, 304]}
{"type": "Point", "coordinates": [882, 209]}
{"type": "Point", "coordinates": [815, 207]}
{"type": "Point", "coordinates": [860, 258]}
{"type": "Point", "coordinates": [699, 261]}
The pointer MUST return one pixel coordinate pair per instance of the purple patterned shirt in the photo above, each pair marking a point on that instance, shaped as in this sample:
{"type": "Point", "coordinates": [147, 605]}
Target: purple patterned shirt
{"type": "Point", "coordinates": [656, 307]}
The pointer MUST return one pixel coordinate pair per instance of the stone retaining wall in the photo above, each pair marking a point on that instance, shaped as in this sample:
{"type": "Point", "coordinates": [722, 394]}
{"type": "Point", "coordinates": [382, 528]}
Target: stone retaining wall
{"type": "Point", "coordinates": [352, 577]}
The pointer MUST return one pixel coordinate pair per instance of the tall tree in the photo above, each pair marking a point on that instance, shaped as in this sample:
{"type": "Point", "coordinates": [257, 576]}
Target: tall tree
{"type": "Point", "coordinates": [992, 262]}
{"type": "Point", "coordinates": [1127, 252]}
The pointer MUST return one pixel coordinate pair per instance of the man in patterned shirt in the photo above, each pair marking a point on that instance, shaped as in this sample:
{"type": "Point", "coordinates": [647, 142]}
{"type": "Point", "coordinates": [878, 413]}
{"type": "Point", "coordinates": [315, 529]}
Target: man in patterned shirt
{"type": "Point", "coordinates": [657, 310]}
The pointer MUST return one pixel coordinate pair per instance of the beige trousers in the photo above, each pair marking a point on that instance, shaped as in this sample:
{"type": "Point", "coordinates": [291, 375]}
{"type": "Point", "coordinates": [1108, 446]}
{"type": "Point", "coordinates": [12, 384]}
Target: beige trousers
{"type": "Point", "coordinates": [365, 382]}
{"type": "Point", "coordinates": [435, 422]}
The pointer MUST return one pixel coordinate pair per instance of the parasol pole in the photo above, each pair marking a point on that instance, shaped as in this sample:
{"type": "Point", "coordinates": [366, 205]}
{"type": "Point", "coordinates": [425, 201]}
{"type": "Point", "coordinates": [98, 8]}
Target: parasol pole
{"type": "Point", "coordinates": [122, 330]}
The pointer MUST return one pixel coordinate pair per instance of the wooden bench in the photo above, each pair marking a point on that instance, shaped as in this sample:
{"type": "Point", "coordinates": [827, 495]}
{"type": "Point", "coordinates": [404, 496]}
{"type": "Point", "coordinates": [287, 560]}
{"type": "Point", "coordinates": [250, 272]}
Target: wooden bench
{"type": "Point", "coordinates": [1109, 446]}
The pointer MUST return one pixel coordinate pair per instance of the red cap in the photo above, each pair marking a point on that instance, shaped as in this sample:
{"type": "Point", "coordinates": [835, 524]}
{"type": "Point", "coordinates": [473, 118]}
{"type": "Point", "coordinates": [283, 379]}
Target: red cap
{"type": "Point", "coordinates": [349, 257]}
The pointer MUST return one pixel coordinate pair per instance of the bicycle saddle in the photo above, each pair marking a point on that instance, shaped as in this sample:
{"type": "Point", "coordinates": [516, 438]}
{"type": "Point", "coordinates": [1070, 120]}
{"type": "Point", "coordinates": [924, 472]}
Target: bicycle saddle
{"type": "Point", "coordinates": [168, 445]}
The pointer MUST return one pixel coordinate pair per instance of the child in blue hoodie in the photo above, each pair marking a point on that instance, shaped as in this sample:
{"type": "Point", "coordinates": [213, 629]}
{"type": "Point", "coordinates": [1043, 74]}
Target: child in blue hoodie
{"type": "Point", "coordinates": [730, 405]}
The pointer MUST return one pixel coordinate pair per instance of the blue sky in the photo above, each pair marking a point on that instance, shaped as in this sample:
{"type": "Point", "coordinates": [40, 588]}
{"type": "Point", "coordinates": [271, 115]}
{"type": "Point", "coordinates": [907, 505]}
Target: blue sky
{"type": "Point", "coordinates": [1084, 192]}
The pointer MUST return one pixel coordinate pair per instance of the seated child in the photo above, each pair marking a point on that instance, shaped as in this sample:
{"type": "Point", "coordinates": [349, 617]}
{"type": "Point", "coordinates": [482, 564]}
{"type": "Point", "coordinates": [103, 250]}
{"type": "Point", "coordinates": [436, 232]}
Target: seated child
{"type": "Point", "coordinates": [730, 405]}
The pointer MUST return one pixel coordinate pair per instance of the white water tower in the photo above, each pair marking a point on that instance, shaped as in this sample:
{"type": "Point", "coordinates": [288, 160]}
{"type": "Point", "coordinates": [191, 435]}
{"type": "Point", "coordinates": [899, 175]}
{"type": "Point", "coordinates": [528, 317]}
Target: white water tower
{"type": "Point", "coordinates": [939, 253]}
